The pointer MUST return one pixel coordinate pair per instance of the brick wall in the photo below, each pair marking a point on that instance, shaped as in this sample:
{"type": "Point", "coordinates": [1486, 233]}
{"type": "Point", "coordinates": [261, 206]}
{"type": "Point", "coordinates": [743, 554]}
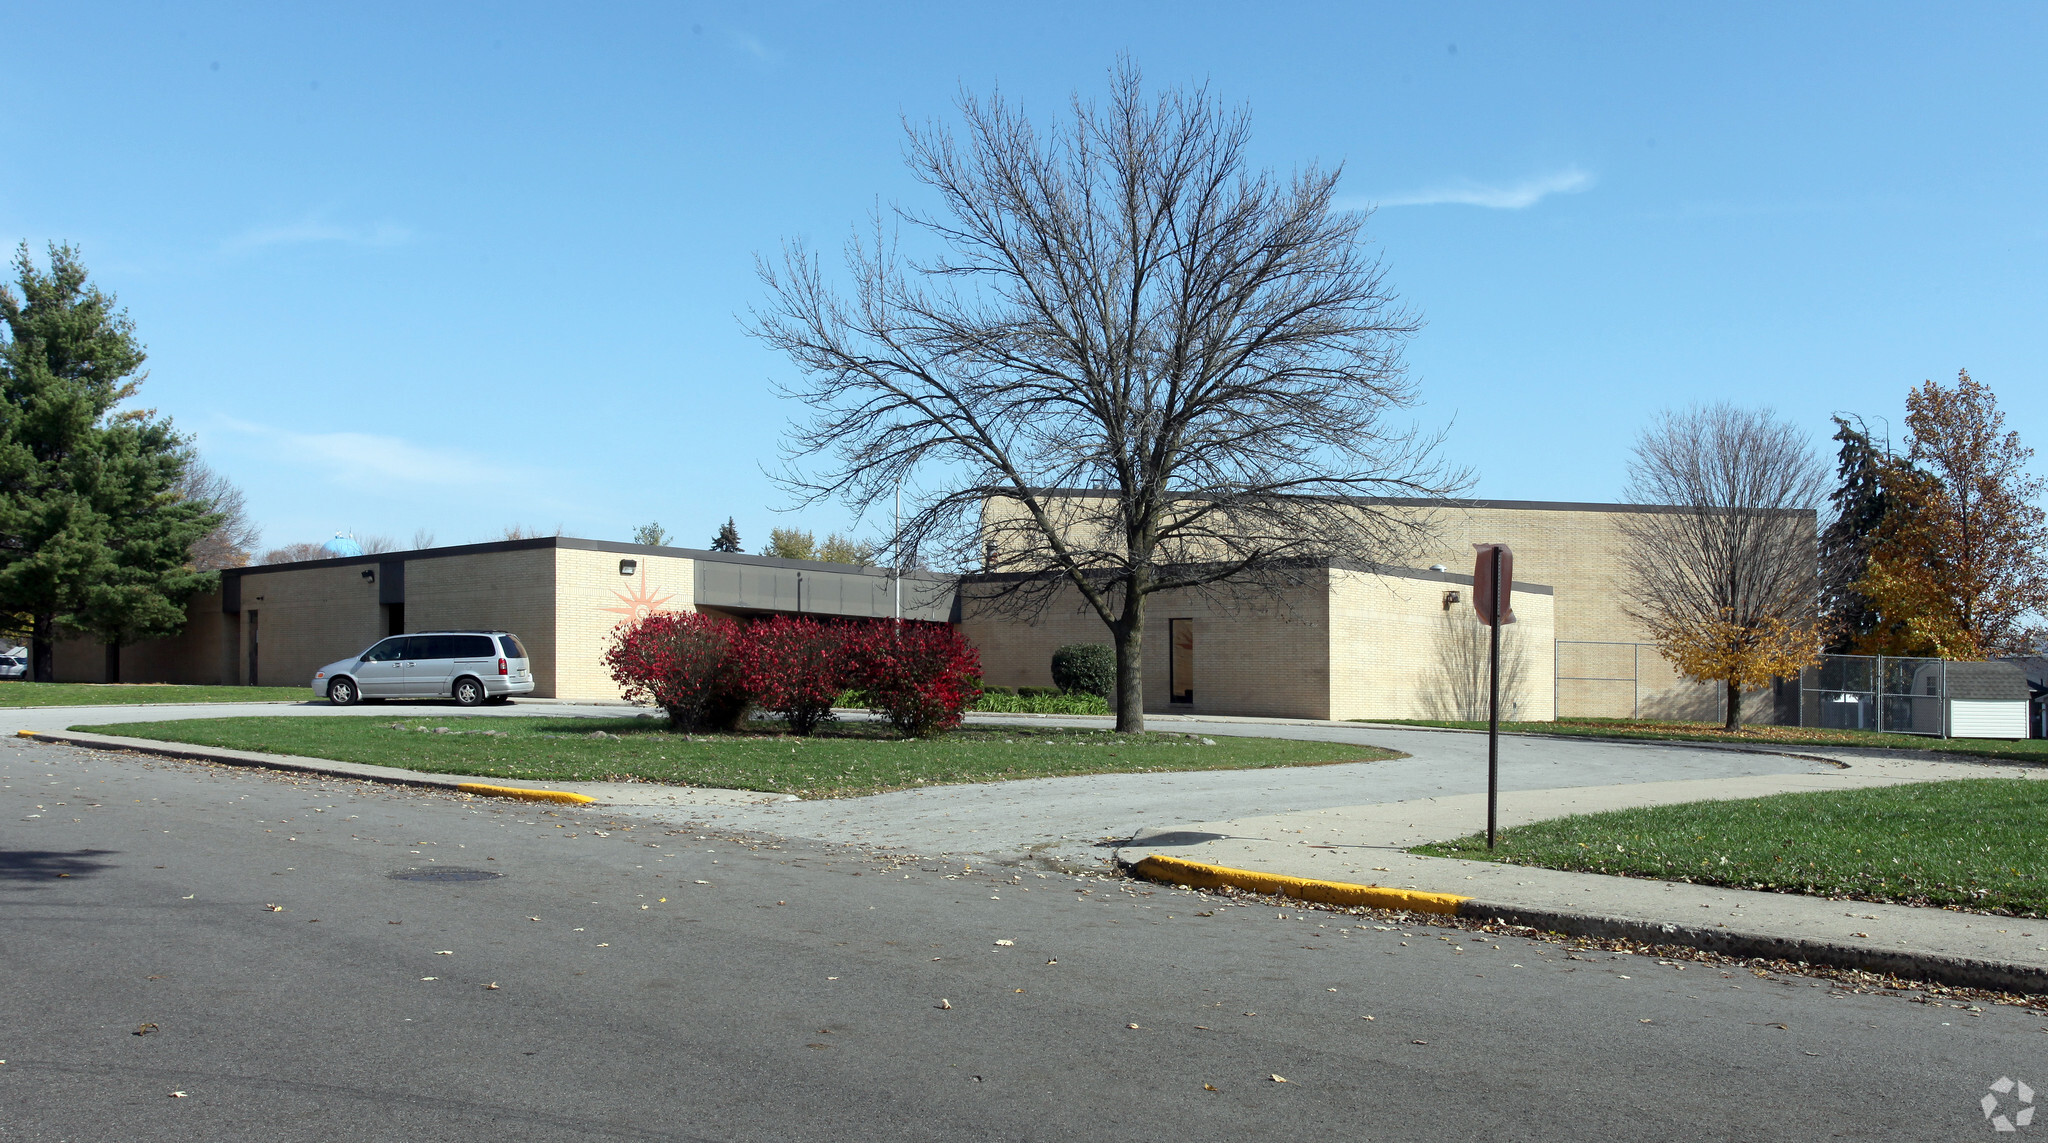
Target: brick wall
{"type": "Point", "coordinates": [1254, 654]}
{"type": "Point", "coordinates": [1398, 652]}
{"type": "Point", "coordinates": [303, 619]}
{"type": "Point", "coordinates": [489, 591]}
{"type": "Point", "coordinates": [1342, 645]}
{"type": "Point", "coordinates": [591, 598]}
{"type": "Point", "coordinates": [200, 655]}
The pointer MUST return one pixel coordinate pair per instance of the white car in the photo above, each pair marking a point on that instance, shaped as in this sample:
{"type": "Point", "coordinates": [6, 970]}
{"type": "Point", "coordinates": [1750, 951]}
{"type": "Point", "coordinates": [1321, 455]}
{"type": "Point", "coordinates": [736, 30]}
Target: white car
{"type": "Point", "coordinates": [472, 667]}
{"type": "Point", "coordinates": [14, 664]}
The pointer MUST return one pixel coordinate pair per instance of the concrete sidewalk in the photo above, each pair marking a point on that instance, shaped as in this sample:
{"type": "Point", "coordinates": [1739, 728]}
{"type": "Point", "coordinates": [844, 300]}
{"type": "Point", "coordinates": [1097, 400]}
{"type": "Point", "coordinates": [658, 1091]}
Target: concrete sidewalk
{"type": "Point", "coordinates": [1365, 845]}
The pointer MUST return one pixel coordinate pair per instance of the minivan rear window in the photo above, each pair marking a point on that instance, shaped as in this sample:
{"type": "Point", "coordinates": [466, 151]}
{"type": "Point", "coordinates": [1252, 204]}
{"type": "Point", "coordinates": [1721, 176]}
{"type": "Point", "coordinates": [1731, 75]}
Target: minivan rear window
{"type": "Point", "coordinates": [470, 647]}
{"type": "Point", "coordinates": [513, 648]}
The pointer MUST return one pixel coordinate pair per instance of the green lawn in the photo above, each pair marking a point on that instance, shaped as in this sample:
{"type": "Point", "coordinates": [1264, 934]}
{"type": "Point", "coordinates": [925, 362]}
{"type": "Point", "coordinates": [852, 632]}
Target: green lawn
{"type": "Point", "coordinates": [844, 760]}
{"type": "Point", "coordinates": [1970, 844]}
{"type": "Point", "coordinates": [2018, 750]}
{"type": "Point", "coordinates": [92, 694]}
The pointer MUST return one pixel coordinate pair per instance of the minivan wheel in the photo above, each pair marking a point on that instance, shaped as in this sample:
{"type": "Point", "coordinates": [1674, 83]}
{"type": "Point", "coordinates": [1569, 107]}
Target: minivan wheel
{"type": "Point", "coordinates": [469, 692]}
{"type": "Point", "coordinates": [342, 692]}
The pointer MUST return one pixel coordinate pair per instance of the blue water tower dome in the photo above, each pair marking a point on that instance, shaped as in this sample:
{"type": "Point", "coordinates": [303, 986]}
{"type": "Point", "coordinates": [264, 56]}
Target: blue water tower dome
{"type": "Point", "coordinates": [343, 544]}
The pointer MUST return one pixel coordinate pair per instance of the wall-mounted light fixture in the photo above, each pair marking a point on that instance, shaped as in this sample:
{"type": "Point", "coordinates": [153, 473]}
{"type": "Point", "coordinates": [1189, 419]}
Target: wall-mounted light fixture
{"type": "Point", "coordinates": [1450, 597]}
{"type": "Point", "coordinates": [628, 567]}
{"type": "Point", "coordinates": [370, 574]}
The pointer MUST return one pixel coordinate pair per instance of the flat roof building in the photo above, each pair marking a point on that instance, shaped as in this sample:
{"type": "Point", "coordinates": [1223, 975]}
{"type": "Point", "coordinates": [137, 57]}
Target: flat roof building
{"type": "Point", "coordinates": [1338, 641]}
{"type": "Point", "coordinates": [275, 624]}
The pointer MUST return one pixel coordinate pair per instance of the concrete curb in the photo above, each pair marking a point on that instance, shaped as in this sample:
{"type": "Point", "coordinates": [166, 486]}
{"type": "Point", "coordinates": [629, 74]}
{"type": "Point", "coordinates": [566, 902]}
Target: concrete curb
{"type": "Point", "coordinates": [388, 775]}
{"type": "Point", "coordinates": [562, 796]}
{"type": "Point", "coordinates": [1178, 871]}
{"type": "Point", "coordinates": [1940, 968]}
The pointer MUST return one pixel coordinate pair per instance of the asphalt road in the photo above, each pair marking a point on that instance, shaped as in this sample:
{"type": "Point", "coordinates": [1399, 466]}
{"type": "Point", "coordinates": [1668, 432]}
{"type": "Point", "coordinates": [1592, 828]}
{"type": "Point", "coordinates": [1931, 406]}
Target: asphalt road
{"type": "Point", "coordinates": [292, 989]}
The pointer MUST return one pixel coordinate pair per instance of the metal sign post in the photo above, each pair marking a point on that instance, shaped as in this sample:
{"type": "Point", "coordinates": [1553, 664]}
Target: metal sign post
{"type": "Point", "coordinates": [1493, 576]}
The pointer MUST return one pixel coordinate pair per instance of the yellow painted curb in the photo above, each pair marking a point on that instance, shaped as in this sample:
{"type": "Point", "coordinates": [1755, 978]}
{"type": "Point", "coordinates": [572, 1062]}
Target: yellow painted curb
{"type": "Point", "coordinates": [24, 734]}
{"type": "Point", "coordinates": [528, 795]}
{"type": "Point", "coordinates": [1177, 871]}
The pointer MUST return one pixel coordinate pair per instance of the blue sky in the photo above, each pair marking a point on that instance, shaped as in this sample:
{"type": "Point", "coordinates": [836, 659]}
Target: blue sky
{"type": "Point", "coordinates": [452, 268]}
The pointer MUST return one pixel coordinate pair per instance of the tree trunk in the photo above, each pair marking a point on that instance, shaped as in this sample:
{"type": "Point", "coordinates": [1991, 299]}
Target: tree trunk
{"type": "Point", "coordinates": [1128, 634]}
{"type": "Point", "coordinates": [113, 663]}
{"type": "Point", "coordinates": [42, 653]}
{"type": "Point", "coordinates": [1734, 707]}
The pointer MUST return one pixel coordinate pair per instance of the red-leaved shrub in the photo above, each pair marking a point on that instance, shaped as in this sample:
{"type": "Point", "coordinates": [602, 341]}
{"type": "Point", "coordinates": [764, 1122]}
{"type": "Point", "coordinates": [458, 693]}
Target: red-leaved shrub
{"type": "Point", "coordinates": [685, 663]}
{"type": "Point", "coordinates": [795, 667]}
{"type": "Point", "coordinates": [922, 676]}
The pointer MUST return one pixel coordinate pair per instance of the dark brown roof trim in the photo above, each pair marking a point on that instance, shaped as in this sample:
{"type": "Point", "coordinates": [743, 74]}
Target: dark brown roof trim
{"type": "Point", "coordinates": [577, 545]}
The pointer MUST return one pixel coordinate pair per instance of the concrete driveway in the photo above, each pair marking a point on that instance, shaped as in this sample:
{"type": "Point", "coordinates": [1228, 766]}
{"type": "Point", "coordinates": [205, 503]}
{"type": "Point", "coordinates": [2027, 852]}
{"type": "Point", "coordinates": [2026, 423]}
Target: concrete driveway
{"type": "Point", "coordinates": [1074, 822]}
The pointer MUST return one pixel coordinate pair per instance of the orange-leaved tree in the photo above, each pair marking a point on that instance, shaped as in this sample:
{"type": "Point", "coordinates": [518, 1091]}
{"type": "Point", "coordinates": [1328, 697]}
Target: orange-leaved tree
{"type": "Point", "coordinates": [1955, 568]}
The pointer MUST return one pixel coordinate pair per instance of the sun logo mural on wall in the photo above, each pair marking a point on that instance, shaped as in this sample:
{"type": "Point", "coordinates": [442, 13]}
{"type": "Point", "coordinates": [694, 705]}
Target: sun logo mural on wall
{"type": "Point", "coordinates": [640, 602]}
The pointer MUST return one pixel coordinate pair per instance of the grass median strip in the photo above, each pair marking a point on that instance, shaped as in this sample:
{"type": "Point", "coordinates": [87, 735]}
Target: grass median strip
{"type": "Point", "coordinates": [843, 760]}
{"type": "Point", "coordinates": [1968, 844]}
{"type": "Point", "coordinates": [98, 694]}
{"type": "Point", "coordinates": [2017, 750]}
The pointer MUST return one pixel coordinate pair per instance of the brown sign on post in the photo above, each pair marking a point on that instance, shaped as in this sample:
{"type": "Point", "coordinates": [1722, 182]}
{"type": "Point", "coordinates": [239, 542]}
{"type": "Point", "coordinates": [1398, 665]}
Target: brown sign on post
{"type": "Point", "coordinates": [1493, 584]}
{"type": "Point", "coordinates": [1482, 583]}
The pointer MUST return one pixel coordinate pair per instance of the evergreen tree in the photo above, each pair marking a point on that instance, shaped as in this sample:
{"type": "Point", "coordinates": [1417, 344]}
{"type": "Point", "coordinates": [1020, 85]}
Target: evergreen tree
{"type": "Point", "coordinates": [151, 529]}
{"type": "Point", "coordinates": [791, 544]}
{"type": "Point", "coordinates": [651, 534]}
{"type": "Point", "coordinates": [1861, 502]}
{"type": "Point", "coordinates": [92, 531]}
{"type": "Point", "coordinates": [728, 538]}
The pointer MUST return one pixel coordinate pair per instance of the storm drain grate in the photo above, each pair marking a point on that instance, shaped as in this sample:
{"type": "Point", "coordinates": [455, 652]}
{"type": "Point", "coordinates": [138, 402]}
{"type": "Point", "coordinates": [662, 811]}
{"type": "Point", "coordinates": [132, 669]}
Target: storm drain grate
{"type": "Point", "coordinates": [444, 875]}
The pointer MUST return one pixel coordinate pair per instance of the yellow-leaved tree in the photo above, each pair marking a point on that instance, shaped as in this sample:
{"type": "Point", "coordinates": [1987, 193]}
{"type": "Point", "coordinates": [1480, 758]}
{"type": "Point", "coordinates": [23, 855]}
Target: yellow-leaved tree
{"type": "Point", "coordinates": [1723, 568]}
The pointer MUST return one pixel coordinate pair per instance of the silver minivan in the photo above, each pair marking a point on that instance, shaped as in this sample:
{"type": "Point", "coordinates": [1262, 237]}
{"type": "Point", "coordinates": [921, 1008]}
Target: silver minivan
{"type": "Point", "coordinates": [472, 667]}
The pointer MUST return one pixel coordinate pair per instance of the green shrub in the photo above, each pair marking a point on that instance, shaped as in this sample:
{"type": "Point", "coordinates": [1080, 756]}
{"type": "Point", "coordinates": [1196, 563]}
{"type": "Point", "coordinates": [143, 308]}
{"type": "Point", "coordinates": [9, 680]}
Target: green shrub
{"type": "Point", "coordinates": [988, 690]}
{"type": "Point", "coordinates": [1039, 692]}
{"type": "Point", "coordinates": [1054, 703]}
{"type": "Point", "coordinates": [1085, 669]}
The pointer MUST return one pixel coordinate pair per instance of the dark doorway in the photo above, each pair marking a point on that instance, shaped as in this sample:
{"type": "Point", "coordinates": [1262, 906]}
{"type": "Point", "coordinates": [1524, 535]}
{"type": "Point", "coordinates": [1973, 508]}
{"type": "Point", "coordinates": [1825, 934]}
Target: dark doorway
{"type": "Point", "coordinates": [1181, 677]}
{"type": "Point", "coordinates": [252, 650]}
{"type": "Point", "coordinates": [394, 619]}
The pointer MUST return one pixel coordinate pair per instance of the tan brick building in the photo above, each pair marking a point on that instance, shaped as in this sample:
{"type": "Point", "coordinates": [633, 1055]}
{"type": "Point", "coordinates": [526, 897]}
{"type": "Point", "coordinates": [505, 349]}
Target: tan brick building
{"type": "Point", "coordinates": [276, 624]}
{"type": "Point", "coordinates": [1595, 660]}
{"type": "Point", "coordinates": [1341, 642]}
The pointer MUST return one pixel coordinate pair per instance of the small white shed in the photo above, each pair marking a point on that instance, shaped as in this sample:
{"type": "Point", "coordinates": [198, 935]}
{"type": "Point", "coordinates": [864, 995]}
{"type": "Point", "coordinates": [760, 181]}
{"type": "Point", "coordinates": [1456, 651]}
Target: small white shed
{"type": "Point", "coordinates": [1986, 700]}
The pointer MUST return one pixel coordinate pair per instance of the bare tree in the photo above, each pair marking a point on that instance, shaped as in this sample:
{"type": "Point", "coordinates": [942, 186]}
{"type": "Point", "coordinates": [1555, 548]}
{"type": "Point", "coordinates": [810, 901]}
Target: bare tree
{"type": "Point", "coordinates": [232, 542]}
{"type": "Point", "coordinates": [296, 554]}
{"type": "Point", "coordinates": [1122, 304]}
{"type": "Point", "coordinates": [1724, 567]}
{"type": "Point", "coordinates": [422, 538]}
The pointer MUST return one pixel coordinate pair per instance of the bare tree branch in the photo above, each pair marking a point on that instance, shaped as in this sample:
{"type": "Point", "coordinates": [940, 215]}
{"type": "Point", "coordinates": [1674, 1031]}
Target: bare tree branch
{"type": "Point", "coordinates": [1119, 303]}
{"type": "Point", "coordinates": [1725, 571]}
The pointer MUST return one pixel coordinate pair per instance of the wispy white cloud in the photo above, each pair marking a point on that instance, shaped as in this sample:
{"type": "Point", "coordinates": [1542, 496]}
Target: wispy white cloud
{"type": "Point", "coordinates": [314, 230]}
{"type": "Point", "coordinates": [369, 461]}
{"type": "Point", "coordinates": [753, 46]}
{"type": "Point", "coordinates": [1466, 192]}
